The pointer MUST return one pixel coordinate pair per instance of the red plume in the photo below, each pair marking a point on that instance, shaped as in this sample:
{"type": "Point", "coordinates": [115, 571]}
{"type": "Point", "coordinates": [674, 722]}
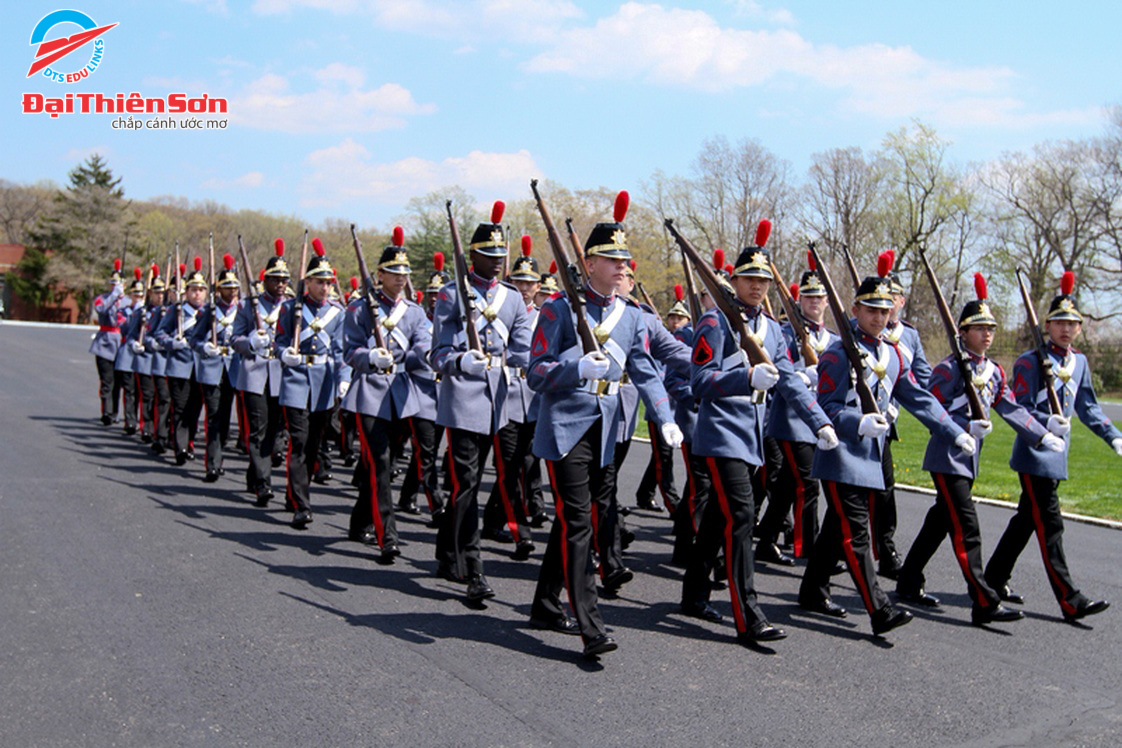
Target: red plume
{"type": "Point", "coordinates": [553, 267]}
{"type": "Point", "coordinates": [398, 236]}
{"type": "Point", "coordinates": [527, 246]}
{"type": "Point", "coordinates": [155, 272]}
{"type": "Point", "coordinates": [228, 262]}
{"type": "Point", "coordinates": [810, 261]}
{"type": "Point", "coordinates": [261, 275]}
{"type": "Point", "coordinates": [884, 264]}
{"type": "Point", "coordinates": [198, 264]}
{"type": "Point", "coordinates": [623, 202]}
{"type": "Point", "coordinates": [730, 269]}
{"type": "Point", "coordinates": [679, 293]}
{"type": "Point", "coordinates": [117, 265]}
{"type": "Point", "coordinates": [1067, 283]}
{"type": "Point", "coordinates": [317, 245]}
{"type": "Point", "coordinates": [354, 283]}
{"type": "Point", "coordinates": [420, 297]}
{"type": "Point", "coordinates": [182, 269]}
{"type": "Point", "coordinates": [497, 211]}
{"type": "Point", "coordinates": [634, 266]}
{"type": "Point", "coordinates": [438, 262]}
{"type": "Point", "coordinates": [795, 291]}
{"type": "Point", "coordinates": [980, 287]}
{"type": "Point", "coordinates": [763, 233]}
{"type": "Point", "coordinates": [719, 259]}
{"type": "Point", "coordinates": [138, 273]}
{"type": "Point", "coordinates": [279, 244]}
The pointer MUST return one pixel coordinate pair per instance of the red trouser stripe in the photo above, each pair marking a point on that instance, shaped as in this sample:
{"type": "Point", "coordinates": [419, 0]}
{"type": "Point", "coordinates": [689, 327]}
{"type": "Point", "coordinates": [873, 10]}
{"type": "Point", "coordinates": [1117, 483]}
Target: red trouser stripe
{"type": "Point", "coordinates": [500, 466]}
{"type": "Point", "coordinates": [873, 525]}
{"type": "Point", "coordinates": [455, 475]}
{"type": "Point", "coordinates": [372, 469]}
{"type": "Point", "coordinates": [1041, 538]}
{"type": "Point", "coordinates": [244, 409]}
{"type": "Point", "coordinates": [800, 497]}
{"type": "Point", "coordinates": [722, 498]}
{"type": "Point", "coordinates": [139, 403]}
{"type": "Point", "coordinates": [560, 509]}
{"type": "Point", "coordinates": [958, 540]}
{"type": "Point", "coordinates": [691, 488]}
{"type": "Point", "coordinates": [851, 559]}
{"type": "Point", "coordinates": [287, 466]}
{"type": "Point", "coordinates": [417, 462]}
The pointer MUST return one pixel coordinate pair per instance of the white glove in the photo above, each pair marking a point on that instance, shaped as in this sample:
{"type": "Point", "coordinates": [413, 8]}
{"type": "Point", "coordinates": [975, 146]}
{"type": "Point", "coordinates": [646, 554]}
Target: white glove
{"type": "Point", "coordinates": [343, 387]}
{"type": "Point", "coordinates": [593, 366]}
{"type": "Point", "coordinates": [473, 363]}
{"type": "Point", "coordinates": [763, 376]}
{"type": "Point", "coordinates": [137, 347]}
{"type": "Point", "coordinates": [892, 413]}
{"type": "Point", "coordinates": [1058, 425]}
{"type": "Point", "coordinates": [806, 380]}
{"type": "Point", "coordinates": [178, 344]}
{"type": "Point", "coordinates": [210, 350]}
{"type": "Point", "coordinates": [154, 345]}
{"type": "Point", "coordinates": [671, 435]}
{"type": "Point", "coordinates": [827, 438]}
{"type": "Point", "coordinates": [980, 429]}
{"type": "Point", "coordinates": [872, 425]}
{"type": "Point", "coordinates": [1053, 443]}
{"type": "Point", "coordinates": [966, 443]}
{"type": "Point", "coordinates": [259, 341]}
{"type": "Point", "coordinates": [811, 373]}
{"type": "Point", "coordinates": [1117, 445]}
{"type": "Point", "coordinates": [380, 358]}
{"type": "Point", "coordinates": [118, 287]}
{"type": "Point", "coordinates": [291, 357]}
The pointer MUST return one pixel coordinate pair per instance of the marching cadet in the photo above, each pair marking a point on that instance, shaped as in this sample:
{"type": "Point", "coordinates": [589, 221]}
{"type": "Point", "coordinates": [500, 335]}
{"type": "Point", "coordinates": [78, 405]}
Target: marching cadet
{"type": "Point", "coordinates": [124, 365]}
{"type": "Point", "coordinates": [578, 418]}
{"type": "Point", "coordinates": [790, 487]}
{"type": "Point", "coordinates": [177, 330]}
{"type": "Point", "coordinates": [424, 473]}
{"type": "Point", "coordinates": [216, 365]}
{"type": "Point", "coordinates": [106, 341]}
{"type": "Point", "coordinates": [382, 393]}
{"type": "Point", "coordinates": [163, 436]}
{"type": "Point", "coordinates": [260, 373]}
{"type": "Point", "coordinates": [473, 392]}
{"type": "Point", "coordinates": [548, 286]}
{"type": "Point", "coordinates": [954, 472]}
{"type": "Point", "coordinates": [849, 474]}
{"type": "Point", "coordinates": [685, 415]}
{"type": "Point", "coordinates": [1041, 471]}
{"type": "Point", "coordinates": [153, 411]}
{"type": "Point", "coordinates": [731, 421]}
{"type": "Point", "coordinates": [310, 375]}
{"type": "Point", "coordinates": [882, 515]}
{"type": "Point", "coordinates": [508, 502]}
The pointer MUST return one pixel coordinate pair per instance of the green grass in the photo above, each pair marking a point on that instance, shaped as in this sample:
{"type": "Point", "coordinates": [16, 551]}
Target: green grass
{"type": "Point", "coordinates": [1094, 471]}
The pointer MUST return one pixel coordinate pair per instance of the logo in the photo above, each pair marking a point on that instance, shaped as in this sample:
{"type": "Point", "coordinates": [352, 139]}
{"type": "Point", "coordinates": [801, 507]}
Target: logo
{"type": "Point", "coordinates": [55, 50]}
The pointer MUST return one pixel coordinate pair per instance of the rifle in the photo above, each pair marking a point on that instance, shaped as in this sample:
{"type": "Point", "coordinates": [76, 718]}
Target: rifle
{"type": "Point", "coordinates": [724, 300]}
{"type": "Point", "coordinates": [367, 289]}
{"type": "Point", "coordinates": [566, 272]}
{"type": "Point", "coordinates": [849, 343]}
{"type": "Point", "coordinates": [252, 292]}
{"type": "Point", "coordinates": [977, 410]}
{"type": "Point", "coordinates": [852, 268]}
{"type": "Point", "coordinates": [213, 305]}
{"type": "Point", "coordinates": [647, 298]}
{"type": "Point", "coordinates": [795, 318]}
{"type": "Point", "coordinates": [578, 249]}
{"type": "Point", "coordinates": [298, 304]}
{"type": "Point", "coordinates": [178, 295]}
{"type": "Point", "coordinates": [125, 250]}
{"type": "Point", "coordinates": [153, 271]}
{"type": "Point", "coordinates": [464, 294]}
{"type": "Point", "coordinates": [1041, 346]}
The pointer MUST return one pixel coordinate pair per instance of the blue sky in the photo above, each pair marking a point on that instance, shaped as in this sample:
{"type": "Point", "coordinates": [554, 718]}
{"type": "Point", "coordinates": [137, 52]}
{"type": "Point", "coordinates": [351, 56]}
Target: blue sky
{"type": "Point", "coordinates": [347, 108]}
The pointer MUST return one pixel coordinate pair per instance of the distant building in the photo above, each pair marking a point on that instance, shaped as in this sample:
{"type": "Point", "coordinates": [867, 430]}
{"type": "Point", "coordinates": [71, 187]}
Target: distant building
{"type": "Point", "coordinates": [65, 310]}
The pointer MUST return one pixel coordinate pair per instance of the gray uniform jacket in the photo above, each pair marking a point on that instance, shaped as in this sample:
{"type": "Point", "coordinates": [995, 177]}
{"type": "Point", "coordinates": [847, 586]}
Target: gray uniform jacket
{"type": "Point", "coordinates": [107, 339]}
{"type": "Point", "coordinates": [314, 384]}
{"type": "Point", "coordinates": [255, 373]}
{"type": "Point", "coordinates": [181, 362]}
{"type": "Point", "coordinates": [391, 394]}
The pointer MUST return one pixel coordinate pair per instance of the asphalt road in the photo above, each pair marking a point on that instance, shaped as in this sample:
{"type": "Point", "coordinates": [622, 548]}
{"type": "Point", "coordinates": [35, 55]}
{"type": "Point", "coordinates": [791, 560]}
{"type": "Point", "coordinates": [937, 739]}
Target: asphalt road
{"type": "Point", "coordinates": [143, 607]}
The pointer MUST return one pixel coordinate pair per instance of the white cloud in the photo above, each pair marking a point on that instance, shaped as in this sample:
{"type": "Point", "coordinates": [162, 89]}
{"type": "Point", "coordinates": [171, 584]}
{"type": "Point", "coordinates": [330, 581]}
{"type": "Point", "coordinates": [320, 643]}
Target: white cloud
{"type": "Point", "coordinates": [81, 154]}
{"type": "Point", "coordinates": [249, 180]}
{"type": "Point", "coordinates": [217, 7]}
{"type": "Point", "coordinates": [755, 11]}
{"type": "Point", "coordinates": [349, 172]}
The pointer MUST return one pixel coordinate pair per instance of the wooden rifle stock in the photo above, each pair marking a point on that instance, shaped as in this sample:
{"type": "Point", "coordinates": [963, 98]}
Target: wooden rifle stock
{"type": "Point", "coordinates": [795, 318]}
{"type": "Point", "coordinates": [691, 290]}
{"type": "Point", "coordinates": [852, 267]}
{"type": "Point", "coordinates": [213, 293]}
{"type": "Point", "coordinates": [1041, 346]}
{"type": "Point", "coordinates": [179, 292]}
{"type": "Point", "coordinates": [298, 304]}
{"type": "Point", "coordinates": [251, 284]}
{"type": "Point", "coordinates": [368, 291]}
{"type": "Point", "coordinates": [464, 294]}
{"type": "Point", "coordinates": [849, 343]}
{"type": "Point", "coordinates": [565, 272]}
{"type": "Point", "coordinates": [721, 296]}
{"type": "Point", "coordinates": [649, 301]}
{"type": "Point", "coordinates": [578, 248]}
{"type": "Point", "coordinates": [977, 410]}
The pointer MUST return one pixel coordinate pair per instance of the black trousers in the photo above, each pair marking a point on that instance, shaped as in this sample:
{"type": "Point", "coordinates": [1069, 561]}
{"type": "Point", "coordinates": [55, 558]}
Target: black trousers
{"type": "Point", "coordinates": [218, 402]}
{"type": "Point", "coordinates": [581, 490]}
{"type": "Point", "coordinates": [265, 418]}
{"type": "Point", "coordinates": [535, 500]}
{"type": "Point", "coordinates": [163, 408]}
{"type": "Point", "coordinates": [659, 473]}
{"type": "Point", "coordinates": [952, 514]}
{"type": "Point", "coordinates": [186, 404]}
{"type": "Point", "coordinates": [792, 490]}
{"type": "Point", "coordinates": [457, 538]}
{"type": "Point", "coordinates": [726, 524]}
{"type": "Point", "coordinates": [687, 518]}
{"type": "Point", "coordinates": [348, 429]}
{"type": "Point", "coordinates": [374, 505]}
{"type": "Point", "coordinates": [146, 404]}
{"type": "Point", "coordinates": [423, 472]}
{"type": "Point", "coordinates": [305, 430]}
{"type": "Point", "coordinates": [1038, 512]}
{"type": "Point", "coordinates": [608, 523]}
{"type": "Point", "coordinates": [882, 509]}
{"type": "Point", "coordinates": [126, 381]}
{"type": "Point", "coordinates": [108, 386]}
{"type": "Point", "coordinates": [845, 534]}
{"type": "Point", "coordinates": [507, 503]}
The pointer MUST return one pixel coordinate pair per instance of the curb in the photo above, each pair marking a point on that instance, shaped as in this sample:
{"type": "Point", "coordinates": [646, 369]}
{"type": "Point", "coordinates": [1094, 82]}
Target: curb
{"type": "Point", "coordinates": [59, 325]}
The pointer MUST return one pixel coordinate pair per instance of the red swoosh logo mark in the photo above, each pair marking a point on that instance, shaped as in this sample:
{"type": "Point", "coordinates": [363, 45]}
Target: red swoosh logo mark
{"type": "Point", "coordinates": [56, 49]}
